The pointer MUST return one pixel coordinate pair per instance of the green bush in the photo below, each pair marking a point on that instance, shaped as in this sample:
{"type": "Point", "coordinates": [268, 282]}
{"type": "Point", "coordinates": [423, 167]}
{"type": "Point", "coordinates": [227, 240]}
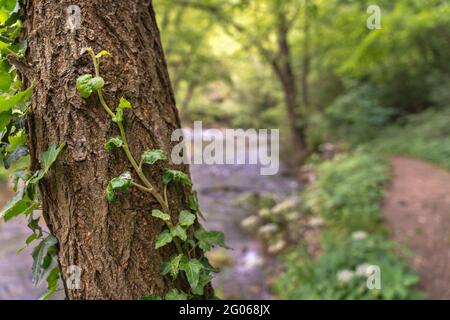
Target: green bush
{"type": "Point", "coordinates": [349, 190]}
{"type": "Point", "coordinates": [340, 272]}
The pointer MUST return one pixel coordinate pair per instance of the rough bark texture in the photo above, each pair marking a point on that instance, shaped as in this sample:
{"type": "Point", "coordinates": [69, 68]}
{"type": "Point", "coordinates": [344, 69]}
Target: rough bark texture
{"type": "Point", "coordinates": [112, 244]}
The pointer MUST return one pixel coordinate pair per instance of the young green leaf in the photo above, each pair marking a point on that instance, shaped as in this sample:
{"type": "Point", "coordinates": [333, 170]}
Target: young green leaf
{"type": "Point", "coordinates": [110, 195]}
{"type": "Point", "coordinates": [39, 254]}
{"type": "Point", "coordinates": [172, 266]}
{"type": "Point", "coordinates": [164, 238]}
{"type": "Point", "coordinates": [186, 219]}
{"type": "Point", "coordinates": [160, 215]}
{"type": "Point", "coordinates": [50, 156]}
{"type": "Point", "coordinates": [207, 239]}
{"type": "Point", "coordinates": [192, 269]}
{"type": "Point", "coordinates": [193, 202]}
{"type": "Point", "coordinates": [18, 139]}
{"type": "Point", "coordinates": [176, 177]}
{"type": "Point", "coordinates": [8, 102]}
{"type": "Point", "coordinates": [86, 84]}
{"type": "Point", "coordinates": [102, 54]}
{"type": "Point", "coordinates": [204, 279]}
{"type": "Point", "coordinates": [19, 204]}
{"type": "Point", "coordinates": [152, 156]}
{"type": "Point", "coordinates": [174, 294]}
{"type": "Point", "coordinates": [179, 232]}
{"type": "Point", "coordinates": [114, 143]}
{"type": "Point", "coordinates": [118, 118]}
{"type": "Point", "coordinates": [124, 104]}
{"type": "Point", "coordinates": [52, 284]}
{"type": "Point", "coordinates": [121, 183]}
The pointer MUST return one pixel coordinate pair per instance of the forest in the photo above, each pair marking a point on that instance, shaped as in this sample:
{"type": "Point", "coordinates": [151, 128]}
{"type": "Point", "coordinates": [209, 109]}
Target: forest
{"type": "Point", "coordinates": [225, 149]}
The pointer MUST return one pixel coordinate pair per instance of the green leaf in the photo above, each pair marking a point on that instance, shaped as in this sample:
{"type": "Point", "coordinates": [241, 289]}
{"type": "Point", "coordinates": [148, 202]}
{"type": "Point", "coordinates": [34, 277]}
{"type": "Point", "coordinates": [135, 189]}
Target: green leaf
{"type": "Point", "coordinates": [118, 118]}
{"type": "Point", "coordinates": [20, 138]}
{"type": "Point", "coordinates": [110, 195]}
{"type": "Point", "coordinates": [161, 215]}
{"type": "Point", "coordinates": [124, 104]}
{"type": "Point", "coordinates": [29, 240]}
{"type": "Point", "coordinates": [114, 143]}
{"type": "Point", "coordinates": [102, 54]}
{"type": "Point", "coordinates": [192, 268]}
{"type": "Point", "coordinates": [8, 101]}
{"type": "Point", "coordinates": [186, 219]}
{"type": "Point", "coordinates": [52, 284]}
{"type": "Point", "coordinates": [164, 238]}
{"type": "Point", "coordinates": [19, 204]}
{"type": "Point", "coordinates": [86, 84]}
{"type": "Point", "coordinates": [5, 119]}
{"type": "Point", "coordinates": [172, 266]}
{"type": "Point", "coordinates": [15, 155]}
{"type": "Point", "coordinates": [177, 177]}
{"type": "Point", "coordinates": [121, 183]}
{"type": "Point", "coordinates": [193, 202]}
{"type": "Point", "coordinates": [174, 294]}
{"type": "Point", "coordinates": [50, 156]}
{"type": "Point", "coordinates": [207, 239]}
{"type": "Point", "coordinates": [152, 156]}
{"type": "Point", "coordinates": [39, 254]}
{"type": "Point", "coordinates": [204, 279]}
{"type": "Point", "coordinates": [179, 232]}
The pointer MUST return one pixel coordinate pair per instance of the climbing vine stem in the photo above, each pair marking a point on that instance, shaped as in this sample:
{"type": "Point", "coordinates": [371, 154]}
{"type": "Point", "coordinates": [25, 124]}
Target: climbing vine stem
{"type": "Point", "coordinates": [197, 271]}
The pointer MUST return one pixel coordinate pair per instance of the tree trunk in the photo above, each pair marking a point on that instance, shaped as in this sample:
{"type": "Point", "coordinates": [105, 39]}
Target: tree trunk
{"type": "Point", "coordinates": [114, 245]}
{"type": "Point", "coordinates": [306, 63]}
{"type": "Point", "coordinates": [284, 71]}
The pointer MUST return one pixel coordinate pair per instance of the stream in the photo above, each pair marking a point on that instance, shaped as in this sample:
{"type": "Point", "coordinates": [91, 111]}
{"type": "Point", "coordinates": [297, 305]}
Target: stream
{"type": "Point", "coordinates": [219, 186]}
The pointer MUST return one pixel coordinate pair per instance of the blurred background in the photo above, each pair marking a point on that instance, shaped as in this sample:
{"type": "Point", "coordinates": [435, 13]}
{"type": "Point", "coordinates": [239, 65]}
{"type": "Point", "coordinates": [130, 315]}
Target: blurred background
{"type": "Point", "coordinates": [361, 95]}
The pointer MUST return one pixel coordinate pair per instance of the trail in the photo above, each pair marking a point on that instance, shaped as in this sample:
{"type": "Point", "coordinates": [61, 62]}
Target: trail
{"type": "Point", "coordinates": [417, 208]}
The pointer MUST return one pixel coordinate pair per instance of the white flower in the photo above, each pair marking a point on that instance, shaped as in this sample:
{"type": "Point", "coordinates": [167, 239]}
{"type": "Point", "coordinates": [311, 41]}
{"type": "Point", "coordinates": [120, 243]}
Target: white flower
{"type": "Point", "coordinates": [345, 276]}
{"type": "Point", "coordinates": [362, 270]}
{"type": "Point", "coordinates": [359, 235]}
{"type": "Point", "coordinates": [316, 222]}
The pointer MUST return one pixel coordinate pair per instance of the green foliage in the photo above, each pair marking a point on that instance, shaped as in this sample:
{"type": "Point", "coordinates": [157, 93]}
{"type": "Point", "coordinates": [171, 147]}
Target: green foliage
{"type": "Point", "coordinates": [348, 194]}
{"type": "Point", "coordinates": [426, 136]}
{"type": "Point", "coordinates": [87, 84]}
{"type": "Point", "coordinates": [306, 278]}
{"type": "Point", "coordinates": [196, 272]}
{"type": "Point", "coordinates": [152, 156]}
{"type": "Point", "coordinates": [349, 190]}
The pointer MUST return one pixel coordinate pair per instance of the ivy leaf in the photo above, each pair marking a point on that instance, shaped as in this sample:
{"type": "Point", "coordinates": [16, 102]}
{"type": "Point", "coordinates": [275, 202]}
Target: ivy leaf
{"type": "Point", "coordinates": [102, 54]}
{"type": "Point", "coordinates": [86, 84]}
{"type": "Point", "coordinates": [52, 284]}
{"type": "Point", "coordinates": [5, 119]}
{"type": "Point", "coordinates": [114, 143]}
{"type": "Point", "coordinates": [121, 183]}
{"type": "Point", "coordinates": [186, 218]}
{"type": "Point", "coordinates": [164, 238]}
{"type": "Point", "coordinates": [172, 266]}
{"type": "Point", "coordinates": [19, 204]}
{"type": "Point", "coordinates": [207, 239]}
{"type": "Point", "coordinates": [7, 102]}
{"type": "Point", "coordinates": [110, 195]}
{"type": "Point", "coordinates": [20, 138]}
{"type": "Point", "coordinates": [179, 232]}
{"type": "Point", "coordinates": [192, 269]}
{"type": "Point", "coordinates": [174, 294]}
{"type": "Point", "coordinates": [204, 279]}
{"type": "Point", "coordinates": [50, 156]}
{"type": "Point", "coordinates": [29, 240]}
{"type": "Point", "coordinates": [152, 156]}
{"type": "Point", "coordinates": [161, 215]}
{"type": "Point", "coordinates": [124, 104]}
{"type": "Point", "coordinates": [39, 254]}
{"type": "Point", "coordinates": [118, 118]}
{"type": "Point", "coordinates": [193, 202]}
{"type": "Point", "coordinates": [14, 156]}
{"type": "Point", "coordinates": [177, 177]}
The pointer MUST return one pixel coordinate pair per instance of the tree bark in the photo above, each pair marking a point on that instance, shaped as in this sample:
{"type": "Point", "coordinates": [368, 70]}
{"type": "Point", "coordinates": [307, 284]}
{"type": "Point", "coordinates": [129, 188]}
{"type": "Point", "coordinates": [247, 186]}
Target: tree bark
{"type": "Point", "coordinates": [285, 73]}
{"type": "Point", "coordinates": [114, 245]}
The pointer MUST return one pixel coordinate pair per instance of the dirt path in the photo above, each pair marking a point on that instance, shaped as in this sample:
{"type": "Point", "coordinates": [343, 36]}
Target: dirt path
{"type": "Point", "coordinates": [417, 208]}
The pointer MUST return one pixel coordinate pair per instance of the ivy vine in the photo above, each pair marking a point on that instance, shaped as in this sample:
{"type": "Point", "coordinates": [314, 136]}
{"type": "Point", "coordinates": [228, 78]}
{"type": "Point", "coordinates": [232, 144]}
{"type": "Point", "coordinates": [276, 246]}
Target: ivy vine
{"type": "Point", "coordinates": [184, 263]}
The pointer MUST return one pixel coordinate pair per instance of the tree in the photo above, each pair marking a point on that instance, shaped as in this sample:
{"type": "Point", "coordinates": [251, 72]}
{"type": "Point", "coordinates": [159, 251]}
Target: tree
{"type": "Point", "coordinates": [113, 245]}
